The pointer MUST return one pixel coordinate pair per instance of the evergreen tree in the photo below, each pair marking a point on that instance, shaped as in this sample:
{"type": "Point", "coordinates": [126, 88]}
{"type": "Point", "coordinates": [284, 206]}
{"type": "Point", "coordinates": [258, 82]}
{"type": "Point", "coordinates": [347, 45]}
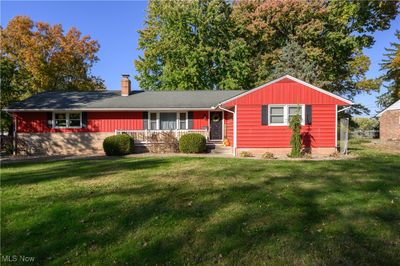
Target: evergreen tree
{"type": "Point", "coordinates": [391, 64]}
{"type": "Point", "coordinates": [293, 60]}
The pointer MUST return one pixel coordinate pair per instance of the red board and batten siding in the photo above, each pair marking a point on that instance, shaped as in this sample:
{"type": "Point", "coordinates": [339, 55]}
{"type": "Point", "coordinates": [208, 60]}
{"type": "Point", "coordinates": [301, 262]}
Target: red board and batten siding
{"type": "Point", "coordinates": [36, 122]}
{"type": "Point", "coordinates": [252, 134]}
{"type": "Point", "coordinates": [200, 119]}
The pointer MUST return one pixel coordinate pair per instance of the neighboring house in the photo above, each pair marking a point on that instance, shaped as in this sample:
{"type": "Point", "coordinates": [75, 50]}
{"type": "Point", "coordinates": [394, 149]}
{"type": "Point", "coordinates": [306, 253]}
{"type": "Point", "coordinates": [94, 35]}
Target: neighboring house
{"type": "Point", "coordinates": [389, 122]}
{"type": "Point", "coordinates": [254, 120]}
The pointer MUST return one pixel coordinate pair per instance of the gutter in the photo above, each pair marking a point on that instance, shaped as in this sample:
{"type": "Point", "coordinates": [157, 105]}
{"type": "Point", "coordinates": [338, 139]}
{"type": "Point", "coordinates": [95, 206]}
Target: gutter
{"type": "Point", "coordinates": [234, 126]}
{"type": "Point", "coordinates": [111, 109]}
{"type": "Point", "coordinates": [344, 109]}
{"type": "Point", "coordinates": [219, 106]}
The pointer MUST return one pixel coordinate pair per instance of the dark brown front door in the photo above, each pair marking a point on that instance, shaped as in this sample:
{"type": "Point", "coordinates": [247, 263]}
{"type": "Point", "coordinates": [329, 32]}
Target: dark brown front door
{"type": "Point", "coordinates": [215, 125]}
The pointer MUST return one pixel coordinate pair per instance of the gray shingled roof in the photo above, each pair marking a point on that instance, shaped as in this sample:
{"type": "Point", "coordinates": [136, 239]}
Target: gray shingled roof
{"type": "Point", "coordinates": [113, 100]}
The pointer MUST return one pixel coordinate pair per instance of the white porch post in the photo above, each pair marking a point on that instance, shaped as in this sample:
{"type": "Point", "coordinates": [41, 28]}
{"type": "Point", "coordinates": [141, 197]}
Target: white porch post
{"type": "Point", "coordinates": [235, 130]}
{"type": "Point", "coordinates": [336, 125]}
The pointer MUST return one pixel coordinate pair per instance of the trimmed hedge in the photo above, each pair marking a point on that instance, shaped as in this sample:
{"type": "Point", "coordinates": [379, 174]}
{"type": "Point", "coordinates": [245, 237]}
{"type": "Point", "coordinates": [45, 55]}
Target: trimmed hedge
{"type": "Point", "coordinates": [192, 143]}
{"type": "Point", "coordinates": [118, 145]}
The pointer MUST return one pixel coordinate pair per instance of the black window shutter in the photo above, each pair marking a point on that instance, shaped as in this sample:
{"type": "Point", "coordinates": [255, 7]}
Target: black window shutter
{"type": "Point", "coordinates": [145, 120]}
{"type": "Point", "coordinates": [264, 115]}
{"type": "Point", "coordinates": [190, 120]}
{"type": "Point", "coordinates": [49, 119]}
{"type": "Point", "coordinates": [84, 119]}
{"type": "Point", "coordinates": [308, 120]}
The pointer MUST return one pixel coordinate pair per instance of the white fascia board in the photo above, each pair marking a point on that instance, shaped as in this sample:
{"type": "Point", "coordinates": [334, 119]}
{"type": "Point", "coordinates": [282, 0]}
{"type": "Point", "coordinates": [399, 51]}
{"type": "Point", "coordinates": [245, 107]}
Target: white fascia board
{"type": "Point", "coordinates": [108, 109]}
{"type": "Point", "coordinates": [394, 106]}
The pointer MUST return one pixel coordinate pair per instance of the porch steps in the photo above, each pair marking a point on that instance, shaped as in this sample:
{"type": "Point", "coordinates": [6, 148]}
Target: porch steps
{"type": "Point", "coordinates": [218, 149]}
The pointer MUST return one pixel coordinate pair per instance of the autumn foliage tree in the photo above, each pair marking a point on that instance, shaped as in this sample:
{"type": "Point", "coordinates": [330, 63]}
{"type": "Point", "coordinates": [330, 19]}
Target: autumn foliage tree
{"type": "Point", "coordinates": [332, 35]}
{"type": "Point", "coordinates": [49, 59]}
{"type": "Point", "coordinates": [37, 57]}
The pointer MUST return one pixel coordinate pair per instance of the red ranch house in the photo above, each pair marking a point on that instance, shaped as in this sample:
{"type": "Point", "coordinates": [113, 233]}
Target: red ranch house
{"type": "Point", "coordinates": [254, 120]}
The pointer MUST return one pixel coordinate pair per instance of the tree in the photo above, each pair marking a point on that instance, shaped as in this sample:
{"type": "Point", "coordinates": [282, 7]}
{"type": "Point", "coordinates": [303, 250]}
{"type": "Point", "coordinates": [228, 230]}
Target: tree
{"type": "Point", "coordinates": [365, 123]}
{"type": "Point", "coordinates": [190, 45]}
{"type": "Point", "coordinates": [9, 91]}
{"type": "Point", "coordinates": [37, 57]}
{"type": "Point", "coordinates": [391, 64]}
{"type": "Point", "coordinates": [293, 60]}
{"type": "Point", "coordinates": [48, 59]}
{"type": "Point", "coordinates": [332, 34]}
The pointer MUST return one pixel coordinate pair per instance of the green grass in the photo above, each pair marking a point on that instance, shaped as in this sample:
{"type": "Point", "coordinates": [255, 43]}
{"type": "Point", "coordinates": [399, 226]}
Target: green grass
{"type": "Point", "coordinates": [187, 210]}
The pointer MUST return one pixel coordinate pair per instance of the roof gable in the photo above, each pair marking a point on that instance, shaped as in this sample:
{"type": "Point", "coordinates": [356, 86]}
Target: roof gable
{"type": "Point", "coordinates": [289, 79]}
{"type": "Point", "coordinates": [395, 106]}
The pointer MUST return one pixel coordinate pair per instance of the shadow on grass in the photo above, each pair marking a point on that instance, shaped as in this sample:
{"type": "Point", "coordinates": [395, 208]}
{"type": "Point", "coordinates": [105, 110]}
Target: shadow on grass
{"type": "Point", "coordinates": [231, 212]}
{"type": "Point", "coordinates": [84, 169]}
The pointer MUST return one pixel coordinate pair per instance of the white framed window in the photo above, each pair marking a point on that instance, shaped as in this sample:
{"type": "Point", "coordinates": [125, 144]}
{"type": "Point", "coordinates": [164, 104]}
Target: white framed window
{"type": "Point", "coordinates": [153, 121]}
{"type": "Point", "coordinates": [67, 120]}
{"type": "Point", "coordinates": [280, 114]}
{"type": "Point", "coordinates": [167, 120]}
{"type": "Point", "coordinates": [183, 121]}
{"type": "Point", "coordinates": [277, 115]}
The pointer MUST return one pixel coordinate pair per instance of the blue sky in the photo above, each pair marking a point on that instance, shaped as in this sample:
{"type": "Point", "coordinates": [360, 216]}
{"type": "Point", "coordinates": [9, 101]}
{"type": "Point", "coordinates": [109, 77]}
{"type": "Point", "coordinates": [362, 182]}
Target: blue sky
{"type": "Point", "coordinates": [114, 25]}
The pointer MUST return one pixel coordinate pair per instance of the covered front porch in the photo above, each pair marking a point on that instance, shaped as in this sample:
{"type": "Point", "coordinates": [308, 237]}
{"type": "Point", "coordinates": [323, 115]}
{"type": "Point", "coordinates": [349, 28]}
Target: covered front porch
{"type": "Point", "coordinates": [215, 125]}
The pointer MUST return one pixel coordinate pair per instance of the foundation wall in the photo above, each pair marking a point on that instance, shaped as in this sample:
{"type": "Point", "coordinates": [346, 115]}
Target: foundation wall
{"type": "Point", "coordinates": [61, 143]}
{"type": "Point", "coordinates": [283, 151]}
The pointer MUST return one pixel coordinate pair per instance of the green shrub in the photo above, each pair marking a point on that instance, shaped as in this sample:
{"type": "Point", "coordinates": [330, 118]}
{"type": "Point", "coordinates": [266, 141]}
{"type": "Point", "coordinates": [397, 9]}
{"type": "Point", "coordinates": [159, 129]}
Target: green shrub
{"type": "Point", "coordinates": [295, 140]}
{"type": "Point", "coordinates": [359, 141]}
{"type": "Point", "coordinates": [268, 155]}
{"type": "Point", "coordinates": [162, 142]}
{"type": "Point", "coordinates": [118, 145]}
{"type": "Point", "coordinates": [192, 143]}
{"type": "Point", "coordinates": [246, 154]}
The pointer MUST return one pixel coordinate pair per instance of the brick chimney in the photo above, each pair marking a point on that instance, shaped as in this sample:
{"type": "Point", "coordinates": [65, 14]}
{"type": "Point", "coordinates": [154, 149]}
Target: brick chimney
{"type": "Point", "coordinates": [125, 85]}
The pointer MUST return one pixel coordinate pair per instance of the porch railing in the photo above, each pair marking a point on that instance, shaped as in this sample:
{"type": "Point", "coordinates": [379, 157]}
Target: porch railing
{"type": "Point", "coordinates": [142, 137]}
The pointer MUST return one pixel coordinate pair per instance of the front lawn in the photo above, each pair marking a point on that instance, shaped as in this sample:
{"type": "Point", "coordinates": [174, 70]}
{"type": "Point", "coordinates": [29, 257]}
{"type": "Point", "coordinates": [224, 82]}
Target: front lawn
{"type": "Point", "coordinates": [187, 210]}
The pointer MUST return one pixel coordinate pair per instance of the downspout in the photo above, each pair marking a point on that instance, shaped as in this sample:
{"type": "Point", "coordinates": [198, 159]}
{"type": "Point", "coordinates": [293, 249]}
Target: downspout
{"type": "Point", "coordinates": [344, 109]}
{"type": "Point", "coordinates": [15, 134]}
{"type": "Point", "coordinates": [336, 128]}
{"type": "Point", "coordinates": [234, 126]}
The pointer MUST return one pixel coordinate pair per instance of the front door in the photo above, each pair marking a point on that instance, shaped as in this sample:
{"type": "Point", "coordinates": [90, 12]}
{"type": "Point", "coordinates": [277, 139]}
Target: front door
{"type": "Point", "coordinates": [215, 125]}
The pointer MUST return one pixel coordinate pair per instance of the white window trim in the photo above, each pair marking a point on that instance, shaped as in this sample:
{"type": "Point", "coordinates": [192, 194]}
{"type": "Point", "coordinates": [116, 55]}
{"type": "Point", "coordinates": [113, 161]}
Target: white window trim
{"type": "Point", "coordinates": [179, 120]}
{"type": "Point", "coordinates": [158, 120]}
{"type": "Point", "coordinates": [286, 113]}
{"type": "Point", "coordinates": [67, 119]}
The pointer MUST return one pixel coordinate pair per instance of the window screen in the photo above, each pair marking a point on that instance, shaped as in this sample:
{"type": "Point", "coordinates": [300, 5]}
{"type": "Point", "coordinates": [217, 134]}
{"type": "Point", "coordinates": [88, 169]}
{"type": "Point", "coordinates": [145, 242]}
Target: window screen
{"type": "Point", "coordinates": [75, 119]}
{"type": "Point", "coordinates": [277, 115]}
{"type": "Point", "coordinates": [153, 121]}
{"type": "Point", "coordinates": [167, 121]}
{"type": "Point", "coordinates": [60, 119]}
{"type": "Point", "coordinates": [182, 121]}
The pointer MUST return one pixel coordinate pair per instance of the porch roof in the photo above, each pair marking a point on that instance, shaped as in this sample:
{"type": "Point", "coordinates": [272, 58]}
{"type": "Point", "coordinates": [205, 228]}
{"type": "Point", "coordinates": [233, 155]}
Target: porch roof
{"type": "Point", "coordinates": [112, 100]}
